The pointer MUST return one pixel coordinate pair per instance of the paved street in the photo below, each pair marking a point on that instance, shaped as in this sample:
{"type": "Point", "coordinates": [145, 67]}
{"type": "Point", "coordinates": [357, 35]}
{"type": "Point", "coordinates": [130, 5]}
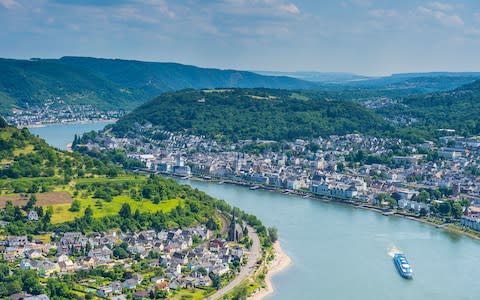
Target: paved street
{"type": "Point", "coordinates": [253, 256]}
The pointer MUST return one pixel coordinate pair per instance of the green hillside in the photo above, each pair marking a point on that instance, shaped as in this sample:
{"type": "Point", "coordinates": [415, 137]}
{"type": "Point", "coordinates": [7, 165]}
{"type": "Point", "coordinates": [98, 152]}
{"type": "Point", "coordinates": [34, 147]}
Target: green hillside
{"type": "Point", "coordinates": [25, 83]}
{"type": "Point", "coordinates": [152, 78]}
{"type": "Point", "coordinates": [23, 155]}
{"type": "Point", "coordinates": [253, 114]}
{"type": "Point", "coordinates": [458, 109]}
{"type": "Point", "coordinates": [114, 83]}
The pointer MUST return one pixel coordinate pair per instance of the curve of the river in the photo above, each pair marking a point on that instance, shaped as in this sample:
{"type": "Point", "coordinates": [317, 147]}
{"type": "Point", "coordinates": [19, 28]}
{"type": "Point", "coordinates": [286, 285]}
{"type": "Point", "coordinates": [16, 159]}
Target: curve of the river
{"type": "Point", "coordinates": [341, 252]}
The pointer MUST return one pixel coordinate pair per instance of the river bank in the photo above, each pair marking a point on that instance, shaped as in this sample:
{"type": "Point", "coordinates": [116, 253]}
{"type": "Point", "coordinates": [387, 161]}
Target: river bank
{"type": "Point", "coordinates": [42, 125]}
{"type": "Point", "coordinates": [280, 262]}
{"type": "Point", "coordinates": [449, 227]}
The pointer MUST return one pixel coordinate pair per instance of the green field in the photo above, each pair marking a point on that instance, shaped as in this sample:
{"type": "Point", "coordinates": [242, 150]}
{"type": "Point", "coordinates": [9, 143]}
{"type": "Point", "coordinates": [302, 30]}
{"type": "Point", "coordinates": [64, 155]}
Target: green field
{"type": "Point", "coordinates": [196, 294]}
{"type": "Point", "coordinates": [62, 214]}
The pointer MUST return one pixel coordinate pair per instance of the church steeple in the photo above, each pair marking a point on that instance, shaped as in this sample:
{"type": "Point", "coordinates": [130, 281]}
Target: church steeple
{"type": "Point", "coordinates": [232, 230]}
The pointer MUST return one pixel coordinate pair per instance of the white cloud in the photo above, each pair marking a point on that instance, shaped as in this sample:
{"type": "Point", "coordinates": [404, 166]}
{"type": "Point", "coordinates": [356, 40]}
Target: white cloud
{"type": "Point", "coordinates": [382, 13]}
{"type": "Point", "coordinates": [447, 19]}
{"type": "Point", "coordinates": [364, 3]}
{"type": "Point", "coordinates": [259, 7]}
{"type": "Point", "coordinates": [129, 13]}
{"type": "Point", "coordinates": [74, 27]}
{"type": "Point", "coordinates": [160, 6]}
{"type": "Point", "coordinates": [8, 4]}
{"type": "Point", "coordinates": [474, 32]}
{"type": "Point", "coordinates": [289, 8]}
{"type": "Point", "coordinates": [441, 6]}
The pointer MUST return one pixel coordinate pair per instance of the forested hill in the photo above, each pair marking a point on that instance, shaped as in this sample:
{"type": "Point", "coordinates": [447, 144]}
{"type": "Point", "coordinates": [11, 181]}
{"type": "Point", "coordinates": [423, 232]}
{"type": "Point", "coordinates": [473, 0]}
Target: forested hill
{"type": "Point", "coordinates": [265, 114]}
{"type": "Point", "coordinates": [26, 82]}
{"type": "Point", "coordinates": [114, 83]}
{"type": "Point", "coordinates": [458, 109]}
{"type": "Point", "coordinates": [24, 155]}
{"type": "Point", "coordinates": [153, 78]}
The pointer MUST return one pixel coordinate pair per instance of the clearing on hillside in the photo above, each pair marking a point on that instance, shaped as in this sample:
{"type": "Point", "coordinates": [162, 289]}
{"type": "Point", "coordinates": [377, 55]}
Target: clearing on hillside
{"type": "Point", "coordinates": [43, 199]}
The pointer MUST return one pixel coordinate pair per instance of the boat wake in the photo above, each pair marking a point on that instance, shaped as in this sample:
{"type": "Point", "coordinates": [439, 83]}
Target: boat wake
{"type": "Point", "coordinates": [392, 250]}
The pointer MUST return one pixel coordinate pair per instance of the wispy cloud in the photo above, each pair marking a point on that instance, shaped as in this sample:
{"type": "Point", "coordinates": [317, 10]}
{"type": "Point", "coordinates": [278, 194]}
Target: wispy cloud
{"type": "Point", "coordinates": [289, 8]}
{"type": "Point", "coordinates": [472, 32]}
{"type": "Point", "coordinates": [258, 7]}
{"type": "Point", "coordinates": [160, 6]}
{"type": "Point", "coordinates": [8, 4]}
{"type": "Point", "coordinates": [381, 13]}
{"type": "Point", "coordinates": [477, 17]}
{"type": "Point", "coordinates": [129, 13]}
{"type": "Point", "coordinates": [449, 19]}
{"type": "Point", "coordinates": [364, 3]}
{"type": "Point", "coordinates": [441, 6]}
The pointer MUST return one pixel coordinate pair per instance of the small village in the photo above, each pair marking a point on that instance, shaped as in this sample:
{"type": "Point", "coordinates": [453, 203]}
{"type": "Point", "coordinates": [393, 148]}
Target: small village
{"type": "Point", "coordinates": [357, 168]}
{"type": "Point", "coordinates": [151, 263]}
{"type": "Point", "coordinates": [56, 111]}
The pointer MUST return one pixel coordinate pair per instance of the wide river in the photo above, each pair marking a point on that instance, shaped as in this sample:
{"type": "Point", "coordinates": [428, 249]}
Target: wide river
{"type": "Point", "coordinates": [340, 252]}
{"type": "Point", "coordinates": [59, 135]}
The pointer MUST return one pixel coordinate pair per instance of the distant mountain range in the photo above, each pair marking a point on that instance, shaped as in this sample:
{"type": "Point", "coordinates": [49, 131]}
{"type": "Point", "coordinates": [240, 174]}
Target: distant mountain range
{"type": "Point", "coordinates": [404, 83]}
{"type": "Point", "coordinates": [323, 77]}
{"type": "Point", "coordinates": [126, 84]}
{"type": "Point", "coordinates": [418, 82]}
{"type": "Point", "coordinates": [115, 83]}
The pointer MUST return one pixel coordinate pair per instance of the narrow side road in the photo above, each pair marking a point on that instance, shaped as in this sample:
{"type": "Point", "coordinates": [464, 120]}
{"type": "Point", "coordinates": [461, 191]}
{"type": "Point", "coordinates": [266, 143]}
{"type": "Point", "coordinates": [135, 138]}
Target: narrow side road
{"type": "Point", "coordinates": [253, 256]}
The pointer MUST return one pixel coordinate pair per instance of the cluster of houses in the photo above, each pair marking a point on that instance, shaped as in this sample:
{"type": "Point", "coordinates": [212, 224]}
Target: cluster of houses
{"type": "Point", "coordinates": [54, 111]}
{"type": "Point", "coordinates": [471, 217]}
{"type": "Point", "coordinates": [187, 257]}
{"type": "Point", "coordinates": [339, 186]}
{"type": "Point", "coordinates": [320, 165]}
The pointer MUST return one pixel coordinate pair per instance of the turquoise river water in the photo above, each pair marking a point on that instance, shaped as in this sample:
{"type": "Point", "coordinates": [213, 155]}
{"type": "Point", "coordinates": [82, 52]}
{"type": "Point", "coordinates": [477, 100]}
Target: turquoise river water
{"type": "Point", "coordinates": [341, 252]}
{"type": "Point", "coordinates": [59, 135]}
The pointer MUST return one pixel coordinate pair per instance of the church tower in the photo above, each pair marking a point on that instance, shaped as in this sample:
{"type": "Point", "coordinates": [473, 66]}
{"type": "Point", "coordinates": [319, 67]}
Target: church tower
{"type": "Point", "coordinates": [235, 232]}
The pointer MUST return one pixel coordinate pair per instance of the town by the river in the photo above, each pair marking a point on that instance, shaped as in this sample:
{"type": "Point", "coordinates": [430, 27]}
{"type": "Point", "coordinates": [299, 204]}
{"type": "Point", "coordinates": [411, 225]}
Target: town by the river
{"type": "Point", "coordinates": [340, 252]}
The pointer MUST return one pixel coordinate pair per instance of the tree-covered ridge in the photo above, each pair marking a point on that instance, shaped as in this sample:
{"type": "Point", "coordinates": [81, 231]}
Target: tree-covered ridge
{"type": "Point", "coordinates": [32, 82]}
{"type": "Point", "coordinates": [114, 84]}
{"type": "Point", "coordinates": [238, 114]}
{"type": "Point", "coordinates": [153, 78]}
{"type": "Point", "coordinates": [25, 155]}
{"type": "Point", "coordinates": [458, 109]}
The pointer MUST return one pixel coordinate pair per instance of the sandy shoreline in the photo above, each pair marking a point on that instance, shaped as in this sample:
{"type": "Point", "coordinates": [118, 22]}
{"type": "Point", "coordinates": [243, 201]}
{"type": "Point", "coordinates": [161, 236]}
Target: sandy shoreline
{"type": "Point", "coordinates": [279, 263]}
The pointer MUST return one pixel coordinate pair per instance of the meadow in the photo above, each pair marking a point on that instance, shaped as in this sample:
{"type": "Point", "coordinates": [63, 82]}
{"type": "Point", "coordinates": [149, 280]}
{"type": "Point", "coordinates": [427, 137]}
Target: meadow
{"type": "Point", "coordinates": [61, 212]}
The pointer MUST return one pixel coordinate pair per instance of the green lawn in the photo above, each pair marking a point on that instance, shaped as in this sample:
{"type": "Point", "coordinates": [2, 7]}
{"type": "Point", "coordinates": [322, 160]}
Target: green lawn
{"type": "Point", "coordinates": [45, 238]}
{"type": "Point", "coordinates": [196, 294]}
{"type": "Point", "coordinates": [62, 214]}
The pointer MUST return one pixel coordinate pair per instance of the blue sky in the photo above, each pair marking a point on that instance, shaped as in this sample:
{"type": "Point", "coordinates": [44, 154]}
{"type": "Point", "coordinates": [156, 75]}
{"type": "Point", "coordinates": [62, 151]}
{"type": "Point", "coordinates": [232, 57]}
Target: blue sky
{"type": "Point", "coordinates": [369, 37]}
